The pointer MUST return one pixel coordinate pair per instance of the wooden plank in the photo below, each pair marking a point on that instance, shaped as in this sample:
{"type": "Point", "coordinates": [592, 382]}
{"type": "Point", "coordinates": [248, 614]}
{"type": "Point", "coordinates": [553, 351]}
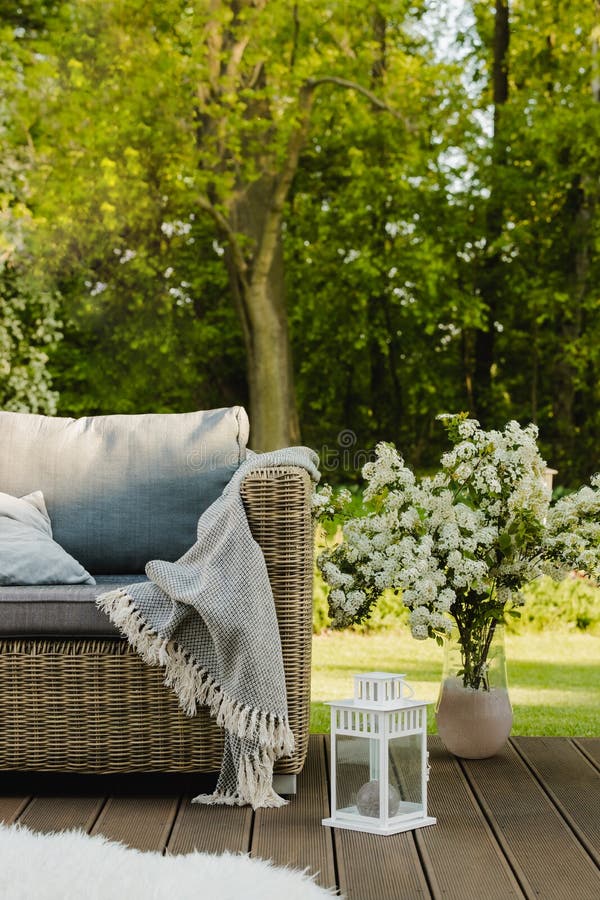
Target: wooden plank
{"type": "Point", "coordinates": [508, 827]}
{"type": "Point", "coordinates": [293, 835]}
{"type": "Point", "coordinates": [590, 747]}
{"type": "Point", "coordinates": [371, 867]}
{"type": "Point", "coordinates": [61, 813]}
{"type": "Point", "coordinates": [546, 856]}
{"type": "Point", "coordinates": [210, 829]}
{"type": "Point", "coordinates": [459, 853]}
{"type": "Point", "coordinates": [572, 783]}
{"type": "Point", "coordinates": [141, 822]}
{"type": "Point", "coordinates": [11, 808]}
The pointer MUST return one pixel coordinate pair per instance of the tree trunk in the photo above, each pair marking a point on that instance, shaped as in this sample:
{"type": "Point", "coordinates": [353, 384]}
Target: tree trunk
{"type": "Point", "coordinates": [260, 299]}
{"type": "Point", "coordinates": [490, 283]}
{"type": "Point", "coordinates": [569, 326]}
{"type": "Point", "coordinates": [580, 204]}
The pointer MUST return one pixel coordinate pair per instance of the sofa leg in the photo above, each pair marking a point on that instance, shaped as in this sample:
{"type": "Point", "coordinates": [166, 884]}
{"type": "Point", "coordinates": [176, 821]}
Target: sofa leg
{"type": "Point", "coordinates": [284, 784]}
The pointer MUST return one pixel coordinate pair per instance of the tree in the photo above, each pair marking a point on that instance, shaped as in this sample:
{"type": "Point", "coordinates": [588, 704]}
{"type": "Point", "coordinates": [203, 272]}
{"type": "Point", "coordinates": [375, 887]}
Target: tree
{"type": "Point", "coordinates": [535, 356]}
{"type": "Point", "coordinates": [324, 167]}
{"type": "Point", "coordinates": [236, 84]}
{"type": "Point", "coordinates": [491, 276]}
{"type": "Point", "coordinates": [550, 231]}
{"type": "Point", "coordinates": [29, 325]}
{"type": "Point", "coordinates": [381, 296]}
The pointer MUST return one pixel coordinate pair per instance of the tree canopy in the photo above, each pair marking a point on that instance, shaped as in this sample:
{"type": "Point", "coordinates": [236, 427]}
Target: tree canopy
{"type": "Point", "coordinates": [349, 216]}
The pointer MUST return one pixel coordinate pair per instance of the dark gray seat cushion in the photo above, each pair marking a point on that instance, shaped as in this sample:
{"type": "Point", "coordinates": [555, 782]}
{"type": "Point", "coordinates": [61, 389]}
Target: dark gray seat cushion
{"type": "Point", "coordinates": [65, 610]}
{"type": "Point", "coordinates": [122, 490]}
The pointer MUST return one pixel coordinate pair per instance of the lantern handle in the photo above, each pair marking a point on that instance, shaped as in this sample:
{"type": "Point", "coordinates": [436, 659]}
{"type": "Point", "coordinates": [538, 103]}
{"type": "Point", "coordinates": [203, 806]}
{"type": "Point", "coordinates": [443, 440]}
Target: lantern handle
{"type": "Point", "coordinates": [410, 691]}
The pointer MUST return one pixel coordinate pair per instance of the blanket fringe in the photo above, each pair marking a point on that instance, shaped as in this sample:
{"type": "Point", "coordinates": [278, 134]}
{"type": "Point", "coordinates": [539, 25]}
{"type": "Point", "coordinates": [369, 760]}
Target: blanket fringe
{"type": "Point", "coordinates": [194, 686]}
{"type": "Point", "coordinates": [255, 785]}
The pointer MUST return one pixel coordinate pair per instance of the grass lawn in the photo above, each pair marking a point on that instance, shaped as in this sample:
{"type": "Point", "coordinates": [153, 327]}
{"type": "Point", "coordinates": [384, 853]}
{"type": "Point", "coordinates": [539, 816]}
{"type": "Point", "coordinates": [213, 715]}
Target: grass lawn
{"type": "Point", "coordinates": [554, 677]}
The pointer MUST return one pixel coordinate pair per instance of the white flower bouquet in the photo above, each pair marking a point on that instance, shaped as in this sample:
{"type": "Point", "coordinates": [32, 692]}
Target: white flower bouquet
{"type": "Point", "coordinates": [457, 546]}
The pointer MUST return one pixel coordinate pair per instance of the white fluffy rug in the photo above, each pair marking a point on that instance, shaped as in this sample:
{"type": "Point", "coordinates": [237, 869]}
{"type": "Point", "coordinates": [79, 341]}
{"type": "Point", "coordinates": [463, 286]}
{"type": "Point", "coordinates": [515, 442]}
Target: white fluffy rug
{"type": "Point", "coordinates": [73, 866]}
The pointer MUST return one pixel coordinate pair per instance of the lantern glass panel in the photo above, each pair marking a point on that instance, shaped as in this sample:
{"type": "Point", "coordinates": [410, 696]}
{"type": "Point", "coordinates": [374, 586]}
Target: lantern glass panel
{"type": "Point", "coordinates": [357, 763]}
{"type": "Point", "coordinates": [405, 774]}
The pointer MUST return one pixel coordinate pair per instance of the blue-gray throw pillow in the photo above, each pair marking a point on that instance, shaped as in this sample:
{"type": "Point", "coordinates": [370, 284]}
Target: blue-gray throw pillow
{"type": "Point", "coordinates": [124, 489]}
{"type": "Point", "coordinates": [28, 554]}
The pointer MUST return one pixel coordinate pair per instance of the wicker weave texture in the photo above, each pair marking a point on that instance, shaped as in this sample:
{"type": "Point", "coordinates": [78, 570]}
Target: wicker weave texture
{"type": "Point", "coordinates": [94, 706]}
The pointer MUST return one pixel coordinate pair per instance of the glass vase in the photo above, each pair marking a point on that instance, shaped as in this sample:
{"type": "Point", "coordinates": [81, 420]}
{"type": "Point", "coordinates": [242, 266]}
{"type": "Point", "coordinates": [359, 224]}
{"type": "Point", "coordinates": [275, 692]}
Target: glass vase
{"type": "Point", "coordinates": [473, 712]}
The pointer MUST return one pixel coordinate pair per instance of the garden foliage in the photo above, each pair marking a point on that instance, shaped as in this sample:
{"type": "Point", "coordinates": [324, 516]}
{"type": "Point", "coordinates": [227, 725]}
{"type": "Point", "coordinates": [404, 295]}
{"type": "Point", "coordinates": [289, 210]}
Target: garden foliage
{"type": "Point", "coordinates": [438, 240]}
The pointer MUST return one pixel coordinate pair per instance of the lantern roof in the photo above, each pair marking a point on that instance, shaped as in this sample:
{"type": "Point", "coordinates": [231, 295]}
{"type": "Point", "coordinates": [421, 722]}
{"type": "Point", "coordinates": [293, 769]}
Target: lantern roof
{"type": "Point", "coordinates": [380, 690]}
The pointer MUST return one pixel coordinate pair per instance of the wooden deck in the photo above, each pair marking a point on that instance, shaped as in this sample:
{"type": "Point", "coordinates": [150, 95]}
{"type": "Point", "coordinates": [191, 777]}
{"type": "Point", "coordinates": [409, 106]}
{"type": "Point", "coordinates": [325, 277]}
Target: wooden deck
{"type": "Point", "coordinates": [524, 824]}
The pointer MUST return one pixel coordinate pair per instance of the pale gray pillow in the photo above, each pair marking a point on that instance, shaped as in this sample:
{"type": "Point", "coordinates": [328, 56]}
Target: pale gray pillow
{"type": "Point", "coordinates": [124, 489]}
{"type": "Point", "coordinates": [28, 554]}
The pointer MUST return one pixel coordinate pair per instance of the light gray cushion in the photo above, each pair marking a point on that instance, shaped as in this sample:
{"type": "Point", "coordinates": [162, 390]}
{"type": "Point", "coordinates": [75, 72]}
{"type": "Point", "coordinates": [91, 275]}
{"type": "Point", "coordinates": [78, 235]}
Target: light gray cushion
{"type": "Point", "coordinates": [122, 490]}
{"type": "Point", "coordinates": [28, 555]}
{"type": "Point", "coordinates": [59, 611]}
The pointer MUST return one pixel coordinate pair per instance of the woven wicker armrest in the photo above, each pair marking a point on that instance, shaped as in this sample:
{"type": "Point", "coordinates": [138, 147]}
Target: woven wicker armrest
{"type": "Point", "coordinates": [277, 505]}
{"type": "Point", "coordinates": [94, 706]}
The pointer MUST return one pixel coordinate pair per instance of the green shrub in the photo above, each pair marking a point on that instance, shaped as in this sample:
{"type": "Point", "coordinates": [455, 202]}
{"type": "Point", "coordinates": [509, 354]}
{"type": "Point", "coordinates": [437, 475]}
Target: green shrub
{"type": "Point", "coordinates": [321, 620]}
{"type": "Point", "coordinates": [572, 604]}
{"type": "Point", "coordinates": [388, 612]}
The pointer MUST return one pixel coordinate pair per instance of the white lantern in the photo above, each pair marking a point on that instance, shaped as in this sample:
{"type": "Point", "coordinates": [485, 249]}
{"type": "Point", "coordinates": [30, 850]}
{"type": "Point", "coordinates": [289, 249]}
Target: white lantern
{"type": "Point", "coordinates": [379, 758]}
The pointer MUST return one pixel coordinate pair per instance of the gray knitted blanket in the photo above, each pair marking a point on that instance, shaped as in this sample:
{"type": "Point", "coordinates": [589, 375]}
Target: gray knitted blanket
{"type": "Point", "coordinates": [209, 619]}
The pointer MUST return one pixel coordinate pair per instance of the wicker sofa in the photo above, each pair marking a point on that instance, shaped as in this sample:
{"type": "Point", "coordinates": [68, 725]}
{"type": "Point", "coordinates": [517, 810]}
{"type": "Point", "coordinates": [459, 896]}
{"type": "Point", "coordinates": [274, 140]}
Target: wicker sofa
{"type": "Point", "coordinates": [74, 697]}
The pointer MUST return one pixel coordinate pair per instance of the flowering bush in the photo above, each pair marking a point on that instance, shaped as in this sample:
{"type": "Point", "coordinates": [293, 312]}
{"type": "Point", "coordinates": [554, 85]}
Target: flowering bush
{"type": "Point", "coordinates": [456, 547]}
